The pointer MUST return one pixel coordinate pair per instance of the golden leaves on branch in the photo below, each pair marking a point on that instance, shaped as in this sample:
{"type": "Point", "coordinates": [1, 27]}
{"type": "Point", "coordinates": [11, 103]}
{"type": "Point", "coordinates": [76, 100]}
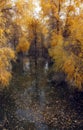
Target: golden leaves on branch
{"type": "Point", "coordinates": [71, 8]}
{"type": "Point", "coordinates": [5, 77]}
{"type": "Point", "coordinates": [23, 45]}
{"type": "Point", "coordinates": [6, 52]}
{"type": "Point", "coordinates": [6, 55]}
{"type": "Point", "coordinates": [66, 39]}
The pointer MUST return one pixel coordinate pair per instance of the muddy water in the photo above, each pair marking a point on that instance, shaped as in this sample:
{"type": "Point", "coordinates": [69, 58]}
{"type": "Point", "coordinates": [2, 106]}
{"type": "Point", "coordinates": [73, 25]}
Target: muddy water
{"type": "Point", "coordinates": [32, 102]}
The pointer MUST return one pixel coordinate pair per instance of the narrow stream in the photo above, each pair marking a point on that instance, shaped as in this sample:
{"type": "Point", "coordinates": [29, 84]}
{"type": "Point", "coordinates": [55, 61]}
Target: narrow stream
{"type": "Point", "coordinates": [33, 103]}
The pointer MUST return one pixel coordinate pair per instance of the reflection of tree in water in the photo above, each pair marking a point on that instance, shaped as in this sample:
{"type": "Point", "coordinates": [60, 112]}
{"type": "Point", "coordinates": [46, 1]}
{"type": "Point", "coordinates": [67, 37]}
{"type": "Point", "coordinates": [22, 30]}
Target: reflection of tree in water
{"type": "Point", "coordinates": [33, 103]}
{"type": "Point", "coordinates": [43, 103]}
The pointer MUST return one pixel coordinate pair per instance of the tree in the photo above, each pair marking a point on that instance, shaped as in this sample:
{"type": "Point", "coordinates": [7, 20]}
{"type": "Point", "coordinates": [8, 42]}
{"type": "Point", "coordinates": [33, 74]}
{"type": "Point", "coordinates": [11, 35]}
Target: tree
{"type": "Point", "coordinates": [65, 20]}
{"type": "Point", "coordinates": [32, 29]}
{"type": "Point", "coordinates": [6, 53]}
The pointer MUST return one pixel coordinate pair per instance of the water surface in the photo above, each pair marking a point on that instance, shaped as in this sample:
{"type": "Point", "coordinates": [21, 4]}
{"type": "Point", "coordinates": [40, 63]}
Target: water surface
{"type": "Point", "coordinates": [32, 102]}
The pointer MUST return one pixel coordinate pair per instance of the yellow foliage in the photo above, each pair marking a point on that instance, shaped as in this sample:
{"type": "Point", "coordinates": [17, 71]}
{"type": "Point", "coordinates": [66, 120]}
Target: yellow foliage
{"type": "Point", "coordinates": [6, 52]}
{"type": "Point", "coordinates": [69, 67]}
{"type": "Point", "coordinates": [71, 8]}
{"type": "Point", "coordinates": [5, 77]}
{"type": "Point", "coordinates": [6, 55]}
{"type": "Point", "coordinates": [56, 39]}
{"type": "Point", "coordinates": [59, 55]}
{"type": "Point", "coordinates": [23, 45]}
{"type": "Point", "coordinates": [46, 7]}
{"type": "Point", "coordinates": [66, 40]}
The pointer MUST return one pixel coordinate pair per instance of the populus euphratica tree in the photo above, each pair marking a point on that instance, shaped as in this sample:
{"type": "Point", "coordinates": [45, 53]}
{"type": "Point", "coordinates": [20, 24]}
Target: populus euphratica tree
{"type": "Point", "coordinates": [6, 53]}
{"type": "Point", "coordinates": [66, 39]}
